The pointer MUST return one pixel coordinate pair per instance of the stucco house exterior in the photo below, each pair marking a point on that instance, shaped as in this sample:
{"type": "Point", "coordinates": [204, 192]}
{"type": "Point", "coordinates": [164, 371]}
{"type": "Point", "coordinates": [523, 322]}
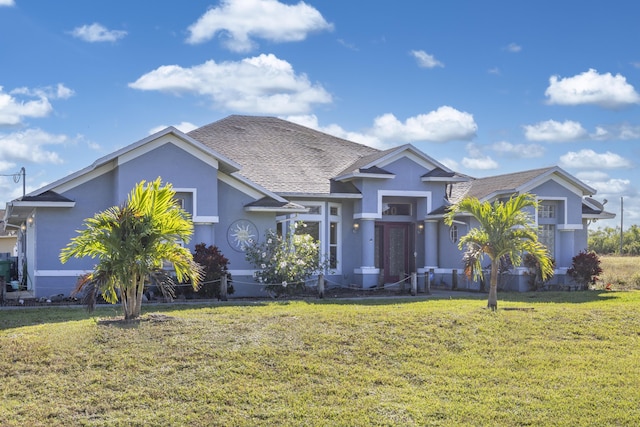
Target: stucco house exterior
{"type": "Point", "coordinates": [377, 213]}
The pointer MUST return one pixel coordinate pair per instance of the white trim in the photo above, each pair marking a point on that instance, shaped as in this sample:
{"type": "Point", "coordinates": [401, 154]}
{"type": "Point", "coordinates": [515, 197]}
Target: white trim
{"type": "Point", "coordinates": [355, 175]}
{"type": "Point", "coordinates": [161, 141]}
{"type": "Point", "coordinates": [244, 273]}
{"type": "Point", "coordinates": [60, 273]}
{"type": "Point", "coordinates": [36, 204]}
{"type": "Point", "coordinates": [541, 199]}
{"type": "Point", "coordinates": [413, 154]}
{"type": "Point", "coordinates": [274, 209]}
{"type": "Point", "coordinates": [321, 196]}
{"type": "Point", "coordinates": [366, 270]}
{"type": "Point", "coordinates": [240, 186]}
{"type": "Point", "coordinates": [569, 227]}
{"type": "Point", "coordinates": [195, 218]}
{"type": "Point", "coordinates": [84, 178]}
{"type": "Point", "coordinates": [394, 193]}
{"type": "Point", "coordinates": [110, 161]}
{"type": "Point", "coordinates": [211, 219]}
{"type": "Point", "coordinates": [538, 181]}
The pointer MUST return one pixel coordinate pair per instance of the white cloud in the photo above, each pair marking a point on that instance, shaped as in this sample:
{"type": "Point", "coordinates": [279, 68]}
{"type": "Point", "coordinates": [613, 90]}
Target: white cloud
{"type": "Point", "coordinates": [605, 90]}
{"type": "Point", "coordinates": [263, 84]}
{"type": "Point", "coordinates": [425, 60]}
{"type": "Point", "coordinates": [97, 33]}
{"type": "Point", "coordinates": [444, 124]}
{"type": "Point", "coordinates": [553, 131]}
{"type": "Point", "coordinates": [242, 20]}
{"type": "Point", "coordinates": [450, 163]}
{"type": "Point", "coordinates": [513, 48]}
{"type": "Point", "coordinates": [612, 187]}
{"type": "Point", "coordinates": [585, 159]}
{"type": "Point", "coordinates": [7, 3]}
{"type": "Point", "coordinates": [29, 146]}
{"type": "Point", "coordinates": [476, 159]}
{"type": "Point", "coordinates": [63, 92]}
{"type": "Point", "coordinates": [14, 110]}
{"type": "Point", "coordinates": [60, 91]}
{"type": "Point", "coordinates": [519, 151]}
{"type": "Point", "coordinates": [311, 121]}
{"type": "Point", "coordinates": [592, 176]}
{"type": "Point", "coordinates": [182, 127]}
{"type": "Point", "coordinates": [349, 46]}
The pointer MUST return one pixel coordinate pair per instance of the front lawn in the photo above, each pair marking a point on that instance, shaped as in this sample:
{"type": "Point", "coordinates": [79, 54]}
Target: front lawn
{"type": "Point", "coordinates": [541, 359]}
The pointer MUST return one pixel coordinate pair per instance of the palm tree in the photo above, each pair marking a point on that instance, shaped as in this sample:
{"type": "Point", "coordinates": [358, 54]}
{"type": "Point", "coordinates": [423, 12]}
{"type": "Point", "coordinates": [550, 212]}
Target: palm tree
{"type": "Point", "coordinates": [132, 242]}
{"type": "Point", "coordinates": [505, 230]}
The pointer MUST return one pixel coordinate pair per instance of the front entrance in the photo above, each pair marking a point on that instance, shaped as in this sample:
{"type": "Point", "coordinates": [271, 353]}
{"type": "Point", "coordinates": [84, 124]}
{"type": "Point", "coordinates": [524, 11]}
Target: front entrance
{"type": "Point", "coordinates": [392, 249]}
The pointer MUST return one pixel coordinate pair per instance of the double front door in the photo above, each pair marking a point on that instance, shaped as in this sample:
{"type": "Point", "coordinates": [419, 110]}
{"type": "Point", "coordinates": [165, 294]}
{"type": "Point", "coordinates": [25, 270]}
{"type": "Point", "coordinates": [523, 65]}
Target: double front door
{"type": "Point", "coordinates": [393, 243]}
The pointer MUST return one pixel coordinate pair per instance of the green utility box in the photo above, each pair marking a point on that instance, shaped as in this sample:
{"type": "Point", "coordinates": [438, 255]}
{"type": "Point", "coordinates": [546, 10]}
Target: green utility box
{"type": "Point", "coordinates": [5, 270]}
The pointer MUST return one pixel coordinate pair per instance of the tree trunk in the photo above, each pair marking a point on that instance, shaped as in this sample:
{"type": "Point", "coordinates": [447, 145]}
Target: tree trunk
{"type": "Point", "coordinates": [129, 306]}
{"type": "Point", "coordinates": [493, 286]}
{"type": "Point", "coordinates": [139, 293]}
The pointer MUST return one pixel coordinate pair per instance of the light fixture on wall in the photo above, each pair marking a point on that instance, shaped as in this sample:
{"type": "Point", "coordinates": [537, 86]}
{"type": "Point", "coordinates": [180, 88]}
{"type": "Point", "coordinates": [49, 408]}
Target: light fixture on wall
{"type": "Point", "coordinates": [420, 228]}
{"type": "Point", "coordinates": [356, 227]}
{"type": "Point", "coordinates": [30, 221]}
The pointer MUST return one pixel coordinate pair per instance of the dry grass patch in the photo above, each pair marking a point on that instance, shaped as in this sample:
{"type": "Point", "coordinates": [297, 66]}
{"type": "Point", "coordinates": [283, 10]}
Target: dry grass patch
{"type": "Point", "coordinates": [622, 272]}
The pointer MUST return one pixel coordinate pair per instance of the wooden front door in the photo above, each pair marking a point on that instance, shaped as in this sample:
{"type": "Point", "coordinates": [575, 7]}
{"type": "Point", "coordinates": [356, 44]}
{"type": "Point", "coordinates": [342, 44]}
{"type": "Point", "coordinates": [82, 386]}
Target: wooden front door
{"type": "Point", "coordinates": [392, 250]}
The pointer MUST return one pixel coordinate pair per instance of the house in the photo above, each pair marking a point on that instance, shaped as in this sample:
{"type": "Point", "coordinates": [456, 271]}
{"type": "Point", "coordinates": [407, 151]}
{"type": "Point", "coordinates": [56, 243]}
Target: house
{"type": "Point", "coordinates": [377, 213]}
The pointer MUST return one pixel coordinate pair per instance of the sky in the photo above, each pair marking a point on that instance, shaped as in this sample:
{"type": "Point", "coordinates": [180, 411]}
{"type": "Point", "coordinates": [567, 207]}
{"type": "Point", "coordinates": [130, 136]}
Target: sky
{"type": "Point", "coordinates": [484, 87]}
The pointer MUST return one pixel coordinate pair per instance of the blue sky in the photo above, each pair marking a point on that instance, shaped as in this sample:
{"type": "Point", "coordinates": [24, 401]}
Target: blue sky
{"type": "Point", "coordinates": [485, 87]}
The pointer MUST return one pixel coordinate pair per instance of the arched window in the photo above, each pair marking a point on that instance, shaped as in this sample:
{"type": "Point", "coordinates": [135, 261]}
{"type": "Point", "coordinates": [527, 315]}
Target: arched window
{"type": "Point", "coordinates": [453, 233]}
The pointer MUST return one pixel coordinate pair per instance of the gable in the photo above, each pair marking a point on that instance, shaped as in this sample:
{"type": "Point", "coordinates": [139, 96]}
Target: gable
{"type": "Point", "coordinates": [136, 150]}
{"type": "Point", "coordinates": [492, 187]}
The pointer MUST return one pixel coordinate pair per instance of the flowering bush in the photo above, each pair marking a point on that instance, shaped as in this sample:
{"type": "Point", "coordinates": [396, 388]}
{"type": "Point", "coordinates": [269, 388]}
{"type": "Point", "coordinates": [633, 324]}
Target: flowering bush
{"type": "Point", "coordinates": [284, 263]}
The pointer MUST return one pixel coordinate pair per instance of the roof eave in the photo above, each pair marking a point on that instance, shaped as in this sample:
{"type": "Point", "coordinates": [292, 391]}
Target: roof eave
{"type": "Point", "coordinates": [357, 175]}
{"type": "Point", "coordinates": [601, 215]}
{"type": "Point", "coordinates": [443, 179]}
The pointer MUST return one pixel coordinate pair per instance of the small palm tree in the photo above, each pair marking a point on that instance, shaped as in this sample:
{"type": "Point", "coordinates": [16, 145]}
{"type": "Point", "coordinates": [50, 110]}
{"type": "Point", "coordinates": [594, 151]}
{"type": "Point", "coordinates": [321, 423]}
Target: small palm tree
{"type": "Point", "coordinates": [132, 242]}
{"type": "Point", "coordinates": [505, 230]}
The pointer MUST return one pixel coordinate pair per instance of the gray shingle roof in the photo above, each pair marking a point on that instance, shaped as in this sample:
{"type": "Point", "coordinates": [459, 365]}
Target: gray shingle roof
{"type": "Point", "coordinates": [481, 188]}
{"type": "Point", "coordinates": [281, 156]}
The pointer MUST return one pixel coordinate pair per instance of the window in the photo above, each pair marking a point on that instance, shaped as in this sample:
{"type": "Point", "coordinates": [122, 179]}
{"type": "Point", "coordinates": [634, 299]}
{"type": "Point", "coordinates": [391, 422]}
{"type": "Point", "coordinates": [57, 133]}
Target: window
{"type": "Point", "coordinates": [311, 228]}
{"type": "Point", "coordinates": [453, 233]}
{"type": "Point", "coordinates": [324, 228]}
{"type": "Point", "coordinates": [333, 245]}
{"type": "Point", "coordinates": [314, 210]}
{"type": "Point", "coordinates": [547, 211]}
{"type": "Point", "coordinates": [396, 209]}
{"type": "Point", "coordinates": [547, 236]}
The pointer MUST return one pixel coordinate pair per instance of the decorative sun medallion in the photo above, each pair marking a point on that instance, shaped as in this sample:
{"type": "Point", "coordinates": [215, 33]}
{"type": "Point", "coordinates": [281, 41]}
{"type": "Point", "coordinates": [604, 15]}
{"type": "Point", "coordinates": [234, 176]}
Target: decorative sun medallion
{"type": "Point", "coordinates": [241, 233]}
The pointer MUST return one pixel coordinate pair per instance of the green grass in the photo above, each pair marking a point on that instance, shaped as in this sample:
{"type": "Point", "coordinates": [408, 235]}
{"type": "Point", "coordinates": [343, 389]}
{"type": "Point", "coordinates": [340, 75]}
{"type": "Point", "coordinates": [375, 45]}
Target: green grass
{"type": "Point", "coordinates": [555, 359]}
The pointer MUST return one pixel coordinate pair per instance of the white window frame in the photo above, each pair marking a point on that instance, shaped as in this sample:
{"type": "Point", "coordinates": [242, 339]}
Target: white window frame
{"type": "Point", "coordinates": [552, 233]}
{"type": "Point", "coordinates": [197, 219]}
{"type": "Point", "coordinates": [324, 218]}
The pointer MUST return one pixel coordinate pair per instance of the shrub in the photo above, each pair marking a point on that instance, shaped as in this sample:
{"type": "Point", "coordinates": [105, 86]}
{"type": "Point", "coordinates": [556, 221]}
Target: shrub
{"type": "Point", "coordinates": [215, 266]}
{"type": "Point", "coordinates": [585, 268]}
{"type": "Point", "coordinates": [284, 263]}
{"type": "Point", "coordinates": [535, 272]}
